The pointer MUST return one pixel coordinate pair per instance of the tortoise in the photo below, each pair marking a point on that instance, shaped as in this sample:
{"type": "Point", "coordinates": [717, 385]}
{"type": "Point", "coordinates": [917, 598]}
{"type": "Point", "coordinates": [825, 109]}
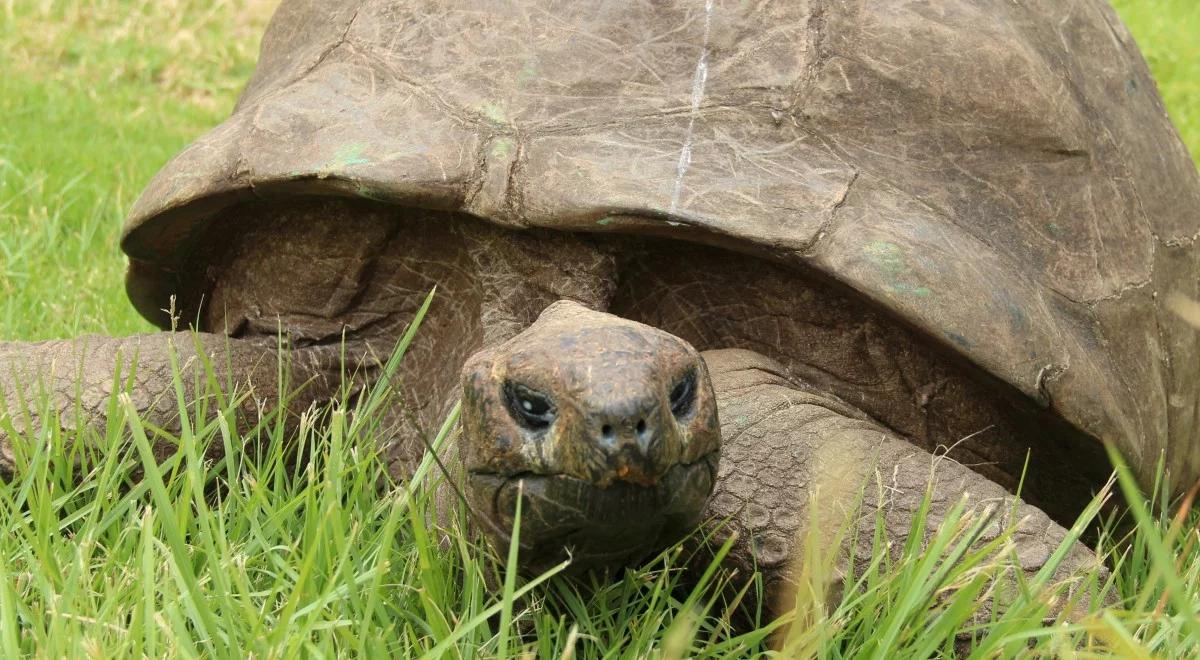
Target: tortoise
{"type": "Point", "coordinates": [695, 261]}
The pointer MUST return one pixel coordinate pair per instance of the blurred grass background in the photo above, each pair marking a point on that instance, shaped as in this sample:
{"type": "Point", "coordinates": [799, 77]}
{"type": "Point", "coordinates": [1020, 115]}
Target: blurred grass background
{"type": "Point", "coordinates": [95, 95]}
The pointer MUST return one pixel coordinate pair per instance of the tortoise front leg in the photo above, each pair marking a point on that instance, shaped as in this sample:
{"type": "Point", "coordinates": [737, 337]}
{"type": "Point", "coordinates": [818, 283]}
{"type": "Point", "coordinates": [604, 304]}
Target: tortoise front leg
{"type": "Point", "coordinates": [74, 379]}
{"type": "Point", "coordinates": [795, 463]}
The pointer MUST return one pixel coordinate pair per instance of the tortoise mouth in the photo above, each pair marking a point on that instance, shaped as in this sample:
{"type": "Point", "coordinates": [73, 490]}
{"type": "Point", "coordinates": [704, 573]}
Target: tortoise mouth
{"type": "Point", "coordinates": [596, 527]}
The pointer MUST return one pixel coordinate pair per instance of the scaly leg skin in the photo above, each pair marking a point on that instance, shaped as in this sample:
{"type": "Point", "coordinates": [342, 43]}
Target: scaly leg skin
{"type": "Point", "coordinates": [76, 378]}
{"type": "Point", "coordinates": [795, 462]}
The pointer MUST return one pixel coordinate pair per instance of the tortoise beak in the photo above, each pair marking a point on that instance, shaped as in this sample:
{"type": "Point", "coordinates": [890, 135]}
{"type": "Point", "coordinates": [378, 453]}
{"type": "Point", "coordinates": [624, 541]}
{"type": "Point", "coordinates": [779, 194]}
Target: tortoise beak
{"type": "Point", "coordinates": [563, 517]}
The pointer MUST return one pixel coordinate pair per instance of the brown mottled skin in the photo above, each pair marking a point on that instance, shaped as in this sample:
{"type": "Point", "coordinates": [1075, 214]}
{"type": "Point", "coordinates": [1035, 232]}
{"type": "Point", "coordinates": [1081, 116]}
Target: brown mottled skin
{"type": "Point", "coordinates": [625, 461]}
{"type": "Point", "coordinates": [622, 454]}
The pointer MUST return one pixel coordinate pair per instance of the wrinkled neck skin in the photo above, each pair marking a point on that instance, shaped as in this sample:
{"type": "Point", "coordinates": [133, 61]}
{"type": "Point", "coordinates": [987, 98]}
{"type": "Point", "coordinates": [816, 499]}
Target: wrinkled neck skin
{"type": "Point", "coordinates": [329, 271]}
{"type": "Point", "coordinates": [340, 273]}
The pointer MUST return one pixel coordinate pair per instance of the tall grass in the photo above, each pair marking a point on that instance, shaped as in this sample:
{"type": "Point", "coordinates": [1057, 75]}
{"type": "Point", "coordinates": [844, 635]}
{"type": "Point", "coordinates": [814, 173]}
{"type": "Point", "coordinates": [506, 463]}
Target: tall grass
{"type": "Point", "coordinates": [307, 548]}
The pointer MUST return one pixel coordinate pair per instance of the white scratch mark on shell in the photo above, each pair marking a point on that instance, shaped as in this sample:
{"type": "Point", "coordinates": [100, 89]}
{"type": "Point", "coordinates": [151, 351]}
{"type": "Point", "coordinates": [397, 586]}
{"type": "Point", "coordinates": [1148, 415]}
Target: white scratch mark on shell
{"type": "Point", "coordinates": [699, 79]}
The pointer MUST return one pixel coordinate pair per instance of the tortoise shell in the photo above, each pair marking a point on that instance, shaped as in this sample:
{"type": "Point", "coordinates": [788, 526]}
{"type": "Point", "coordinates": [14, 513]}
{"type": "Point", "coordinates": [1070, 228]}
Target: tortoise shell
{"type": "Point", "coordinates": [1000, 175]}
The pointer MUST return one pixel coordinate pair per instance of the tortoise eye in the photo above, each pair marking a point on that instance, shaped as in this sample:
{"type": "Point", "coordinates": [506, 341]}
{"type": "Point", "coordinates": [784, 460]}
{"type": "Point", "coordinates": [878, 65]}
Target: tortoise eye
{"type": "Point", "coordinates": [530, 408]}
{"type": "Point", "coordinates": [684, 394]}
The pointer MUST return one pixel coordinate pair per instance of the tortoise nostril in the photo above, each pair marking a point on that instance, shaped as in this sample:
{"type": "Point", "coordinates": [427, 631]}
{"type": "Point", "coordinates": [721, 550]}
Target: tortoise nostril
{"type": "Point", "coordinates": [641, 427]}
{"type": "Point", "coordinates": [607, 432]}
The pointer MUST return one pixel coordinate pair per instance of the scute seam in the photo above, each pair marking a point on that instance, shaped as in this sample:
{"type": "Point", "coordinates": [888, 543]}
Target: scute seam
{"type": "Point", "coordinates": [810, 246]}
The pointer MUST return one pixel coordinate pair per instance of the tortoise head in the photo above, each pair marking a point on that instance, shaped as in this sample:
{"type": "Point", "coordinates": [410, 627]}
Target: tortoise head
{"type": "Point", "coordinates": [604, 429]}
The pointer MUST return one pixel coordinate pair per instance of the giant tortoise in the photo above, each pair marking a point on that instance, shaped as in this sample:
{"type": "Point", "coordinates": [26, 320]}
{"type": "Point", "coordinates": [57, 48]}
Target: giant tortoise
{"type": "Point", "coordinates": [696, 260]}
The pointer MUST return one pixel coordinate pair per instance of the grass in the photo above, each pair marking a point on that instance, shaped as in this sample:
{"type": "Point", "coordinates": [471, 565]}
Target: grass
{"type": "Point", "coordinates": [249, 556]}
{"type": "Point", "coordinates": [96, 95]}
{"type": "Point", "coordinates": [1166, 31]}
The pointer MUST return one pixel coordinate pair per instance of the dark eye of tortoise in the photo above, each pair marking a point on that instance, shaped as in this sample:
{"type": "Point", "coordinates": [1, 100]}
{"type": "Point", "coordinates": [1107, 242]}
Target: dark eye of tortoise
{"type": "Point", "coordinates": [683, 395]}
{"type": "Point", "coordinates": [529, 407]}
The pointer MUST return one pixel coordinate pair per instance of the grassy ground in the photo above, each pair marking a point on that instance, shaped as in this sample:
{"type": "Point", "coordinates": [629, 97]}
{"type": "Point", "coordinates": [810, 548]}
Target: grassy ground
{"type": "Point", "coordinates": [95, 95]}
